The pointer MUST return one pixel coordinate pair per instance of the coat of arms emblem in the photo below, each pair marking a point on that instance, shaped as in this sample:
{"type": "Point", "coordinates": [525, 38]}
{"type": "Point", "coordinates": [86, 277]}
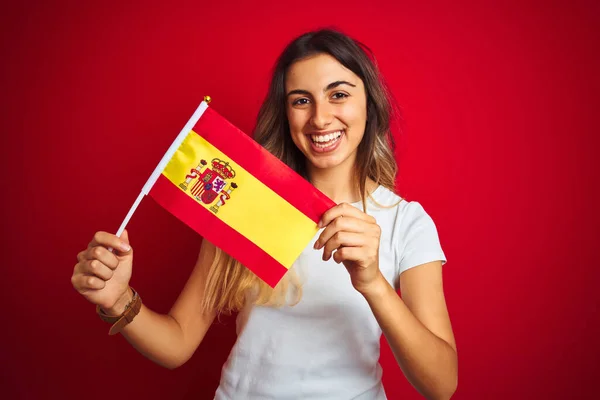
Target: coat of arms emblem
{"type": "Point", "coordinates": [210, 184]}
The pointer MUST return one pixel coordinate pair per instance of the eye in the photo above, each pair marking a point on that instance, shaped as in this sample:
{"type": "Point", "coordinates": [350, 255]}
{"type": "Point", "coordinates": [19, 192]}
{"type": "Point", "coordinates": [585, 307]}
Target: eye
{"type": "Point", "coordinates": [339, 95]}
{"type": "Point", "coordinates": [300, 102]}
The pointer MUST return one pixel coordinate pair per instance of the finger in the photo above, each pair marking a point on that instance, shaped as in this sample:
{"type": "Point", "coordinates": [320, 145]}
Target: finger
{"type": "Point", "coordinates": [346, 210]}
{"type": "Point", "coordinates": [109, 240]}
{"type": "Point", "coordinates": [345, 239]}
{"type": "Point", "coordinates": [347, 224]}
{"type": "Point", "coordinates": [103, 255]}
{"type": "Point", "coordinates": [97, 239]}
{"type": "Point", "coordinates": [98, 269]}
{"type": "Point", "coordinates": [363, 255]}
{"type": "Point", "coordinates": [348, 254]}
{"type": "Point", "coordinates": [83, 282]}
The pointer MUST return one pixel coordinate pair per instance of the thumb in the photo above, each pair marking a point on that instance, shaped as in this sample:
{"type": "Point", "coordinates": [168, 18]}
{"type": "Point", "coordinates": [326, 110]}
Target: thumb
{"type": "Point", "coordinates": [125, 236]}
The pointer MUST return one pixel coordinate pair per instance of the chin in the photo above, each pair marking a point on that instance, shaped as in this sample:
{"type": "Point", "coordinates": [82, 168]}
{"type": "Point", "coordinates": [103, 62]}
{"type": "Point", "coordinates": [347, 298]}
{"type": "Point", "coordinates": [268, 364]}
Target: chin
{"type": "Point", "coordinates": [327, 162]}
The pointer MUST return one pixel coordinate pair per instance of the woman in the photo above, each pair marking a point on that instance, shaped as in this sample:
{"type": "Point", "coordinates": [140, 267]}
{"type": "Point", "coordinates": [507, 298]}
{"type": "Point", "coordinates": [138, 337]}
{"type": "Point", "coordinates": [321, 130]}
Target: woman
{"type": "Point", "coordinates": [316, 336]}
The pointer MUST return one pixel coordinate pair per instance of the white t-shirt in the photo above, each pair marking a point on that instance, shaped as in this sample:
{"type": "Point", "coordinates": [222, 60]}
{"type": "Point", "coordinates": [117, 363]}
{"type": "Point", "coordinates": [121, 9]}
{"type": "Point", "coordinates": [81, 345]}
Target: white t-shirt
{"type": "Point", "coordinates": [327, 345]}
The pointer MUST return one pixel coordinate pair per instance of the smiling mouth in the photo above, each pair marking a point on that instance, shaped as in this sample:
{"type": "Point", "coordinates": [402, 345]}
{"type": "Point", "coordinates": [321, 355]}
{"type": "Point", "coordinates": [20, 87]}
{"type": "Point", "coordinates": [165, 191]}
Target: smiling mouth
{"type": "Point", "coordinates": [328, 140]}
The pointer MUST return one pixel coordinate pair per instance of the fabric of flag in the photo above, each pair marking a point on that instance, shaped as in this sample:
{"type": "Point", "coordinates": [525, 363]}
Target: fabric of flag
{"type": "Point", "coordinates": [240, 197]}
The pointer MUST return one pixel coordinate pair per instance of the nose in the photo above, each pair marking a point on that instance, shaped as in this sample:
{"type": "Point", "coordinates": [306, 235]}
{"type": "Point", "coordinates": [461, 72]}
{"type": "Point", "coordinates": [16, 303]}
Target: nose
{"type": "Point", "coordinates": [322, 115]}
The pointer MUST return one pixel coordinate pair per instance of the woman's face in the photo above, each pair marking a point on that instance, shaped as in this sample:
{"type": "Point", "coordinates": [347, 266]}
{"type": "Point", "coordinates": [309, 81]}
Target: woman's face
{"type": "Point", "coordinates": [326, 109]}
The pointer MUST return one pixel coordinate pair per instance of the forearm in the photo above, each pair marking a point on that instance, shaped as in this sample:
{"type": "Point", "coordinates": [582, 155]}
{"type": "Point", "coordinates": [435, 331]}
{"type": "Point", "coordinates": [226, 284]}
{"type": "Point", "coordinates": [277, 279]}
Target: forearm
{"type": "Point", "coordinates": [156, 336]}
{"type": "Point", "coordinates": [427, 361]}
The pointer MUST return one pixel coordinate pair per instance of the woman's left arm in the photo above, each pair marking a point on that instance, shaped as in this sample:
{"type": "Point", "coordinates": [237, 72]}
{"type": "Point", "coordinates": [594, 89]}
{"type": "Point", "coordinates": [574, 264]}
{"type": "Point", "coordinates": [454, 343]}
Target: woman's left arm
{"type": "Point", "coordinates": [416, 326]}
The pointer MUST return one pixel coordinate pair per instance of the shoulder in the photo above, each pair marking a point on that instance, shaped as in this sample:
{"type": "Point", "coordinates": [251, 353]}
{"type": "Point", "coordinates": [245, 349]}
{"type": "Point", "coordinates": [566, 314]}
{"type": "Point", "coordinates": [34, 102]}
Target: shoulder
{"type": "Point", "coordinates": [413, 213]}
{"type": "Point", "coordinates": [400, 218]}
{"type": "Point", "coordinates": [407, 228]}
{"type": "Point", "coordinates": [388, 206]}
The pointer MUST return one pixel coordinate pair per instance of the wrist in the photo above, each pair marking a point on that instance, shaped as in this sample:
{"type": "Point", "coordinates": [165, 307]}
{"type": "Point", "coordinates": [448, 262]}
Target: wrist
{"type": "Point", "coordinates": [121, 315]}
{"type": "Point", "coordinates": [119, 307]}
{"type": "Point", "coordinates": [376, 290]}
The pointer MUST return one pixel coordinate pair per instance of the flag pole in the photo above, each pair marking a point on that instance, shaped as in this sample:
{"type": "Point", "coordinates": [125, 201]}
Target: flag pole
{"type": "Point", "coordinates": [164, 161]}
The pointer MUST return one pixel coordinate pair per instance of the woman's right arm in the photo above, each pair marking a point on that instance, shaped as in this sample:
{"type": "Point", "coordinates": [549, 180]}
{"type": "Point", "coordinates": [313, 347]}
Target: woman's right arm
{"type": "Point", "coordinates": [167, 339]}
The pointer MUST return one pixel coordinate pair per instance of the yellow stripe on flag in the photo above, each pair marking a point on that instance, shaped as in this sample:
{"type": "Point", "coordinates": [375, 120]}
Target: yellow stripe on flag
{"type": "Point", "coordinates": [254, 210]}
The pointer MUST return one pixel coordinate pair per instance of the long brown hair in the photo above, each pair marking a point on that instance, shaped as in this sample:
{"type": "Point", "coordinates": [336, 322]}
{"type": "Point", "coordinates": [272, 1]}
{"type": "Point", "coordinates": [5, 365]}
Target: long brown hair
{"type": "Point", "coordinates": [228, 281]}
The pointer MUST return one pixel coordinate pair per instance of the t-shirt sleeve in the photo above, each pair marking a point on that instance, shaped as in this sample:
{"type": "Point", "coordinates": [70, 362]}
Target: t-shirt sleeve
{"type": "Point", "coordinates": [419, 241]}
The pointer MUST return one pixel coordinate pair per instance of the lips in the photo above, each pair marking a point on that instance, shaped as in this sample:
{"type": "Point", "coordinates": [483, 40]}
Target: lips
{"type": "Point", "coordinates": [327, 141]}
{"type": "Point", "coordinates": [326, 138]}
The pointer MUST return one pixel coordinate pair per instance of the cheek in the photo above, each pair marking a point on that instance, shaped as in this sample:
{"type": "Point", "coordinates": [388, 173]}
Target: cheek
{"type": "Point", "coordinates": [297, 138]}
{"type": "Point", "coordinates": [296, 122]}
{"type": "Point", "coordinates": [356, 118]}
{"type": "Point", "coordinates": [295, 128]}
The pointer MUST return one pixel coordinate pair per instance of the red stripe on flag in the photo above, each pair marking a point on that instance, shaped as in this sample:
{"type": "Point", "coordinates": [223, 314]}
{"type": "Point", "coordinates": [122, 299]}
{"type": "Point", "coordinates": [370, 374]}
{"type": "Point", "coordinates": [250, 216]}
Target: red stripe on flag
{"type": "Point", "coordinates": [208, 225]}
{"type": "Point", "coordinates": [265, 167]}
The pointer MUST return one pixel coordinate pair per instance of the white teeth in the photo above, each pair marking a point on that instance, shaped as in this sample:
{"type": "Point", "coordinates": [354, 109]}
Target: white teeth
{"type": "Point", "coordinates": [323, 141]}
{"type": "Point", "coordinates": [326, 138]}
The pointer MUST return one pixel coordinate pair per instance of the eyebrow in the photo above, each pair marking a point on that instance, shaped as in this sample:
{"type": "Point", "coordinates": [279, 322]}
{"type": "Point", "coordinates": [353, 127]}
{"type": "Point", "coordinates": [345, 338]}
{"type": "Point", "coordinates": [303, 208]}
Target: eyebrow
{"type": "Point", "coordinates": [332, 85]}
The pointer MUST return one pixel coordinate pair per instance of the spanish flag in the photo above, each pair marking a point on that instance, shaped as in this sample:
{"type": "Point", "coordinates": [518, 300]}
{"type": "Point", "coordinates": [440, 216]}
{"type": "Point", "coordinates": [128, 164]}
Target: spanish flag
{"type": "Point", "coordinates": [233, 192]}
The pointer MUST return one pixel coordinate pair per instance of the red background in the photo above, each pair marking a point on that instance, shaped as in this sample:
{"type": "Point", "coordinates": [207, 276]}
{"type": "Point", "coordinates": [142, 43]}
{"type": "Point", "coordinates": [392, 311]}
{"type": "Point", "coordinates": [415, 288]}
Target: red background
{"type": "Point", "coordinates": [499, 145]}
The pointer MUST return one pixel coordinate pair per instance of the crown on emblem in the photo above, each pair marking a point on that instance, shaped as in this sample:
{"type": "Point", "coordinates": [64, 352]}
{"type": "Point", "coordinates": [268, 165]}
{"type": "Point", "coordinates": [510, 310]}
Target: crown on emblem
{"type": "Point", "coordinates": [222, 168]}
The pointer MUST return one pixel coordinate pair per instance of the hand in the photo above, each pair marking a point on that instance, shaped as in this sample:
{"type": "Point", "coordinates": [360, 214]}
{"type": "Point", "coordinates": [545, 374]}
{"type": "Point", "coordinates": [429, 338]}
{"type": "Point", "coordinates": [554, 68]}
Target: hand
{"type": "Point", "coordinates": [101, 276]}
{"type": "Point", "coordinates": [354, 236]}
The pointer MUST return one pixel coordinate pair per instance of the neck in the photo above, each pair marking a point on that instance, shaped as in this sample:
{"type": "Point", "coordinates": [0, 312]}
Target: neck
{"type": "Point", "coordinates": [338, 183]}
